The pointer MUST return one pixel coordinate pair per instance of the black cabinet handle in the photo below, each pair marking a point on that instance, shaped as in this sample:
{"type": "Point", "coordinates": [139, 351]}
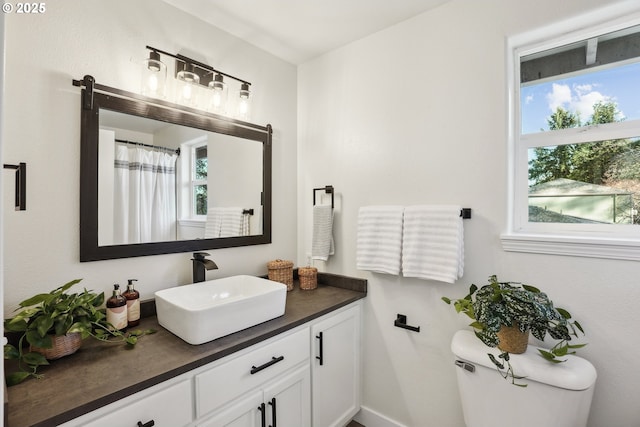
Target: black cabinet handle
{"type": "Point", "coordinates": [273, 361]}
{"type": "Point", "coordinates": [149, 424]}
{"type": "Point", "coordinates": [321, 357]}
{"type": "Point", "coordinates": [263, 419]}
{"type": "Point", "coordinates": [273, 412]}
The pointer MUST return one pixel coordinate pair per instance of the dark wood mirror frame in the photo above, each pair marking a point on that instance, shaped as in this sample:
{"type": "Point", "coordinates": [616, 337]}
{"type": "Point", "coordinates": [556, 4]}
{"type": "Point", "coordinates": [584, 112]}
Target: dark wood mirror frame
{"type": "Point", "coordinates": [95, 97]}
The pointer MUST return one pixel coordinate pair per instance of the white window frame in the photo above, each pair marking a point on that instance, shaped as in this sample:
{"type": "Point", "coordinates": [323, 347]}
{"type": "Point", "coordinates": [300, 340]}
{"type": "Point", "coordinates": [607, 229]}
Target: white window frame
{"type": "Point", "coordinates": [187, 182]}
{"type": "Point", "coordinates": [600, 241]}
{"type": "Point", "coordinates": [195, 182]}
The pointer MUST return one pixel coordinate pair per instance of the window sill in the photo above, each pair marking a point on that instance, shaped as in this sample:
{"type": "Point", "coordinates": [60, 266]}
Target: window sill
{"type": "Point", "coordinates": [621, 249]}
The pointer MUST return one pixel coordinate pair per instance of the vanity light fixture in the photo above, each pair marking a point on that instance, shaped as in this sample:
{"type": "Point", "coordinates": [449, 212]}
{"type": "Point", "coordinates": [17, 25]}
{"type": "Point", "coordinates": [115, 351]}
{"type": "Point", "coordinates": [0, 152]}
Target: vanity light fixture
{"type": "Point", "coordinates": [191, 75]}
{"type": "Point", "coordinates": [154, 76]}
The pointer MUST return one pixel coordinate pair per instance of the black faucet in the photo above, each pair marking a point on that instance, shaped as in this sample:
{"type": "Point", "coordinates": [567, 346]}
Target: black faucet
{"type": "Point", "coordinates": [201, 265]}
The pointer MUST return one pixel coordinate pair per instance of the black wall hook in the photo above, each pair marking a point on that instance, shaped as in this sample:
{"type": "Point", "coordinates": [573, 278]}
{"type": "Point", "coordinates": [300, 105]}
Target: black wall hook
{"type": "Point", "coordinates": [401, 322]}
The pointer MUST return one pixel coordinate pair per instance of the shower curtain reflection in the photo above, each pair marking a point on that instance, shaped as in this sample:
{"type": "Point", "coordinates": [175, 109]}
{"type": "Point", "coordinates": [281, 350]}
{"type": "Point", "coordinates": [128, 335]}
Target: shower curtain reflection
{"type": "Point", "coordinates": [144, 196]}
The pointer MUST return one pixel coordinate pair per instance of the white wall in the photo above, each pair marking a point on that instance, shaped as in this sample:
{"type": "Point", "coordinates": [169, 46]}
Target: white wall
{"type": "Point", "coordinates": [417, 113]}
{"type": "Point", "coordinates": [103, 38]}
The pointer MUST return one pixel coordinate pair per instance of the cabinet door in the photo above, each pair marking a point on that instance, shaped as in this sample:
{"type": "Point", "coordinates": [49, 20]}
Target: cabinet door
{"type": "Point", "coordinates": [335, 373]}
{"type": "Point", "coordinates": [288, 400]}
{"type": "Point", "coordinates": [244, 412]}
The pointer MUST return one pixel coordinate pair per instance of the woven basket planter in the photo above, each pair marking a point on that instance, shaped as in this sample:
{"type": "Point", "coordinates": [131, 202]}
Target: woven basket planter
{"type": "Point", "coordinates": [308, 278]}
{"type": "Point", "coordinates": [281, 271]}
{"type": "Point", "coordinates": [512, 340]}
{"type": "Point", "coordinates": [62, 345]}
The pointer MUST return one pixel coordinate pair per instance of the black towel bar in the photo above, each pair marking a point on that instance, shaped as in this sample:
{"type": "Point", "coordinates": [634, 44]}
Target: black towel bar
{"type": "Point", "coordinates": [328, 189]}
{"type": "Point", "coordinates": [465, 213]}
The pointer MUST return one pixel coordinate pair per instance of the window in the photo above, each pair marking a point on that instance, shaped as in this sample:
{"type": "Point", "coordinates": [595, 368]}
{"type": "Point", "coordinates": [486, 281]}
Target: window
{"type": "Point", "coordinates": [192, 182]}
{"type": "Point", "coordinates": [575, 141]}
{"type": "Point", "coordinates": [199, 166]}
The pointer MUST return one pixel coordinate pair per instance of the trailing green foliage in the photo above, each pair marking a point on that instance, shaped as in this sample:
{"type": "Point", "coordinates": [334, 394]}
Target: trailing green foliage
{"type": "Point", "coordinates": [500, 304]}
{"type": "Point", "coordinates": [58, 313]}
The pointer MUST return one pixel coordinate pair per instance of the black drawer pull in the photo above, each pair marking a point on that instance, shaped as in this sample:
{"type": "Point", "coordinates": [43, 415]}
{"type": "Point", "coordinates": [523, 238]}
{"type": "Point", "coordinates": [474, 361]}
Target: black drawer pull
{"type": "Point", "coordinates": [149, 424]}
{"type": "Point", "coordinates": [321, 357]}
{"type": "Point", "coordinates": [273, 361]}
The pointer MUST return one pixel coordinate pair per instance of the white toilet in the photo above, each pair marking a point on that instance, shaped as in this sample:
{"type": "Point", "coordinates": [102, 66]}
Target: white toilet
{"type": "Point", "coordinates": [557, 395]}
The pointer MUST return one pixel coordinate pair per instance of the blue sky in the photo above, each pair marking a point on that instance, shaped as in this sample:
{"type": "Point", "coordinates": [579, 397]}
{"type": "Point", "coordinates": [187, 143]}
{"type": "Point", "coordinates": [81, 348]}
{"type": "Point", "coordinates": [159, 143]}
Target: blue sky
{"type": "Point", "coordinates": [578, 94]}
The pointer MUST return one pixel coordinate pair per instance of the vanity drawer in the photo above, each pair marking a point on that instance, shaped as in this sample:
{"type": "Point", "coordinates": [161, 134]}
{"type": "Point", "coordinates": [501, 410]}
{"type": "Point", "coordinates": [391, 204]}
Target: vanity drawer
{"type": "Point", "coordinates": [228, 380]}
{"type": "Point", "coordinates": [167, 406]}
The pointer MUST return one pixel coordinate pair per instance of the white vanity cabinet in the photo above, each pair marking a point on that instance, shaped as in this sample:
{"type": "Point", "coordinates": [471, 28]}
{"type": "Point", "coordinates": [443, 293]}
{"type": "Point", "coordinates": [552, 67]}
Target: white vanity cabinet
{"type": "Point", "coordinates": [335, 372]}
{"type": "Point", "coordinates": [308, 376]}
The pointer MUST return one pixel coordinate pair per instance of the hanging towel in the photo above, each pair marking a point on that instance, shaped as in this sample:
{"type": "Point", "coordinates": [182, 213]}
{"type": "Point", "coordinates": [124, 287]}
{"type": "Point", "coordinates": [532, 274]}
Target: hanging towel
{"type": "Point", "coordinates": [322, 237]}
{"type": "Point", "coordinates": [246, 225]}
{"type": "Point", "coordinates": [433, 243]}
{"type": "Point", "coordinates": [223, 222]}
{"type": "Point", "coordinates": [379, 239]}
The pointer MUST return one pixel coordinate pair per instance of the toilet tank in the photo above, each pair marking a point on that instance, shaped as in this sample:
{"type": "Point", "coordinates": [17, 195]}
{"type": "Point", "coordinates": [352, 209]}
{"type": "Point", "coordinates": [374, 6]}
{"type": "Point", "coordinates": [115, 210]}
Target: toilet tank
{"type": "Point", "coordinates": [557, 395]}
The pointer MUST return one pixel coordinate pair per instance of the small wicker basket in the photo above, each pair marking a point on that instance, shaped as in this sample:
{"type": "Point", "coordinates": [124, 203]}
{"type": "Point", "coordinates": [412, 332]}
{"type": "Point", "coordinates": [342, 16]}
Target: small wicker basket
{"type": "Point", "coordinates": [308, 278]}
{"type": "Point", "coordinates": [281, 271]}
{"type": "Point", "coordinates": [61, 345]}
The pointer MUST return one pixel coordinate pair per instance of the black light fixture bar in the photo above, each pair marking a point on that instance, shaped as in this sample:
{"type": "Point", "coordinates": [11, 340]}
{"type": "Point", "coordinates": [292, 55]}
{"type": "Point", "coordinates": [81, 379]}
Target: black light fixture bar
{"type": "Point", "coordinates": [206, 76]}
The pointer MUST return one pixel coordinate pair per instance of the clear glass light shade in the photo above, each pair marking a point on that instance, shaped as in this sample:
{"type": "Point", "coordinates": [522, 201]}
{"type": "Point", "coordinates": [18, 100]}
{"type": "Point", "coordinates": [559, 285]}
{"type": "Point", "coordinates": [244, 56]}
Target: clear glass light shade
{"type": "Point", "coordinates": [187, 88]}
{"type": "Point", "coordinates": [153, 78]}
{"type": "Point", "coordinates": [218, 92]}
{"type": "Point", "coordinates": [244, 103]}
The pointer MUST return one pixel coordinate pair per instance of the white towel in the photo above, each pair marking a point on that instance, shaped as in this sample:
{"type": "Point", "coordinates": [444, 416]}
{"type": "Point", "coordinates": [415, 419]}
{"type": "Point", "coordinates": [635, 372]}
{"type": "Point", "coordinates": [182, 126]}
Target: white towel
{"type": "Point", "coordinates": [379, 240]}
{"type": "Point", "coordinates": [322, 237]}
{"type": "Point", "coordinates": [433, 243]}
{"type": "Point", "coordinates": [223, 222]}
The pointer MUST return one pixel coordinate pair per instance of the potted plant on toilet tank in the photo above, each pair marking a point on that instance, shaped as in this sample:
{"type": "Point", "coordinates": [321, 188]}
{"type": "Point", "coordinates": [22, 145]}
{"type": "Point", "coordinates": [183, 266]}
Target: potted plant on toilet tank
{"type": "Point", "coordinates": [504, 313]}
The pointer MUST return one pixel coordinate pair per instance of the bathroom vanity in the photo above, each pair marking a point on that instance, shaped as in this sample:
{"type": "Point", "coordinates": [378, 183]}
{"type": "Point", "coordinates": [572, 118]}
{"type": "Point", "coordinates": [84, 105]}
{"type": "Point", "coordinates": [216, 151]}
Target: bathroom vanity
{"type": "Point", "coordinates": [300, 369]}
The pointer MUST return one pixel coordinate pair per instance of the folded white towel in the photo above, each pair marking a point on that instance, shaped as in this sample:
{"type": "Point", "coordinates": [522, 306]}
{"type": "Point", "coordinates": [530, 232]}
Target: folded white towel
{"type": "Point", "coordinates": [379, 240]}
{"type": "Point", "coordinates": [433, 243]}
{"type": "Point", "coordinates": [322, 237]}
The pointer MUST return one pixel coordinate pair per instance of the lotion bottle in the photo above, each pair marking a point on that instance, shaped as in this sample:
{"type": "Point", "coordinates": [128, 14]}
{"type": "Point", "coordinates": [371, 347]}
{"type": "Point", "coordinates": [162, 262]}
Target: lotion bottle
{"type": "Point", "coordinates": [133, 304]}
{"type": "Point", "coordinates": [117, 309]}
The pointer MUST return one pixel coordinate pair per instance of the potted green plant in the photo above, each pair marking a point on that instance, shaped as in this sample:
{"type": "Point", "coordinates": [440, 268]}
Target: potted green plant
{"type": "Point", "coordinates": [504, 310]}
{"type": "Point", "coordinates": [54, 324]}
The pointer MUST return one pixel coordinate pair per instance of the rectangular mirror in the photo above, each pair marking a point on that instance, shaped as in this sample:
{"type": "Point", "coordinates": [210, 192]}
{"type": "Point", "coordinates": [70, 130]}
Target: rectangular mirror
{"type": "Point", "coordinates": [157, 178]}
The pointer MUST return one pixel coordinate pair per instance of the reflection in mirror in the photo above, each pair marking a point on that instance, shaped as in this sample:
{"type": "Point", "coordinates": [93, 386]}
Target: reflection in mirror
{"type": "Point", "coordinates": [158, 178]}
{"type": "Point", "coordinates": [161, 182]}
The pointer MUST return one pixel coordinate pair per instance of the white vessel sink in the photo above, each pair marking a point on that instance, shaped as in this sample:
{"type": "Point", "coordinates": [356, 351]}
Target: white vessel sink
{"type": "Point", "coordinates": [205, 311]}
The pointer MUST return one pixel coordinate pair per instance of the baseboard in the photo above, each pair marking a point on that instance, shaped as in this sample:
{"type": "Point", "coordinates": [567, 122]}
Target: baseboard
{"type": "Point", "coordinates": [370, 418]}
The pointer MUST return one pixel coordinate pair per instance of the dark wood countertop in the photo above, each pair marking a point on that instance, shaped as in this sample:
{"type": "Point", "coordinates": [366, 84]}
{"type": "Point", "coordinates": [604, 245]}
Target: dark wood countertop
{"type": "Point", "coordinates": [102, 373]}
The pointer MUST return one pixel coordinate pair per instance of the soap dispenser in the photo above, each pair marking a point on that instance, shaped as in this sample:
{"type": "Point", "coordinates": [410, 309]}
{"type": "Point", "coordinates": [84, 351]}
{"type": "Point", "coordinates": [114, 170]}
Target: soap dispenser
{"type": "Point", "coordinates": [133, 304]}
{"type": "Point", "coordinates": [117, 309]}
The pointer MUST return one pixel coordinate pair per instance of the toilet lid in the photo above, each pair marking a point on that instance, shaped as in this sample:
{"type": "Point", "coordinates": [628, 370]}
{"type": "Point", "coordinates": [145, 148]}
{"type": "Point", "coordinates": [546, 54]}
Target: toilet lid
{"type": "Point", "coordinates": [574, 374]}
